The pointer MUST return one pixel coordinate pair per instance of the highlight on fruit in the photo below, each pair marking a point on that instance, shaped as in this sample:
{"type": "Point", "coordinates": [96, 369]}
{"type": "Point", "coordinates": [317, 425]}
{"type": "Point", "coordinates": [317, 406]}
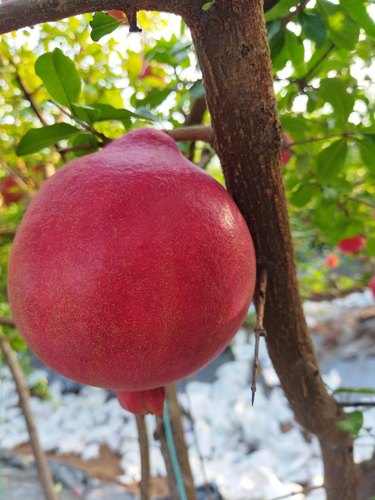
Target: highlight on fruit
{"type": "Point", "coordinates": [132, 268]}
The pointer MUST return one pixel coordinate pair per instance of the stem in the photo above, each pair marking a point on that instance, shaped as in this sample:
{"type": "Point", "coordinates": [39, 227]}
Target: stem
{"type": "Point", "coordinates": [24, 397]}
{"type": "Point", "coordinates": [145, 458]}
{"type": "Point", "coordinates": [260, 304]}
{"type": "Point", "coordinates": [193, 133]}
{"type": "Point", "coordinates": [84, 125]}
{"type": "Point", "coordinates": [7, 322]}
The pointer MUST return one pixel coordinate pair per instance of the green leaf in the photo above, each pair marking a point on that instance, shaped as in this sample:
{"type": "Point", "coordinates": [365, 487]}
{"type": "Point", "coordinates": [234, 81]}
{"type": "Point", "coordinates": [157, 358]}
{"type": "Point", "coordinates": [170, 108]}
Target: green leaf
{"type": "Point", "coordinates": [313, 27]}
{"type": "Point", "coordinates": [38, 138]}
{"type": "Point", "coordinates": [358, 12]}
{"type": "Point", "coordinates": [207, 6]}
{"type": "Point", "coordinates": [86, 140]}
{"type": "Point", "coordinates": [87, 114]}
{"type": "Point", "coordinates": [353, 390]}
{"type": "Point", "coordinates": [303, 194]}
{"type": "Point", "coordinates": [296, 51]}
{"type": "Point", "coordinates": [102, 24]}
{"type": "Point", "coordinates": [59, 76]}
{"type": "Point", "coordinates": [367, 150]}
{"type": "Point", "coordinates": [343, 30]}
{"type": "Point", "coordinates": [352, 424]}
{"type": "Point", "coordinates": [281, 9]}
{"type": "Point", "coordinates": [331, 160]}
{"type": "Point", "coordinates": [333, 90]}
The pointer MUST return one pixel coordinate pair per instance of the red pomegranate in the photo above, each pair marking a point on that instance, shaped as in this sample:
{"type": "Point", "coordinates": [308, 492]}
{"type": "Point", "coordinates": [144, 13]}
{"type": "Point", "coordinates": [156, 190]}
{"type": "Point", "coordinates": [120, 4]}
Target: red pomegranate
{"type": "Point", "coordinates": [132, 267]}
{"type": "Point", "coordinates": [10, 191]}
{"type": "Point", "coordinates": [352, 245]}
{"type": "Point", "coordinates": [332, 260]}
{"type": "Point", "coordinates": [143, 402]}
{"type": "Point", "coordinates": [285, 152]}
{"type": "Point", "coordinates": [372, 285]}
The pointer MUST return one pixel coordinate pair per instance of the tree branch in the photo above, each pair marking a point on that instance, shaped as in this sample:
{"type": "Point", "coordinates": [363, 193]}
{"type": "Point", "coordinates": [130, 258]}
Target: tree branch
{"type": "Point", "coordinates": [199, 133]}
{"type": "Point", "coordinates": [7, 322]}
{"type": "Point", "coordinates": [19, 14]}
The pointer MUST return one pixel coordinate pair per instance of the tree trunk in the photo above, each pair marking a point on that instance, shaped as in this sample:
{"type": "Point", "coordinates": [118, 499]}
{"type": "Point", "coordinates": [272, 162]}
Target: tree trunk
{"type": "Point", "coordinates": [231, 44]}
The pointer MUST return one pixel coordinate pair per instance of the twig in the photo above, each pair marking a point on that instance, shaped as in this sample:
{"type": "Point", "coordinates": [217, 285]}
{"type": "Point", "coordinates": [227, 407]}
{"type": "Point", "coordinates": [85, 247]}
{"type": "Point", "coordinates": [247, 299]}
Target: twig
{"type": "Point", "coordinates": [361, 201]}
{"type": "Point", "coordinates": [145, 457]}
{"type": "Point", "coordinates": [30, 98]}
{"type": "Point", "coordinates": [295, 13]}
{"type": "Point", "coordinates": [344, 404]}
{"type": "Point", "coordinates": [205, 158]}
{"type": "Point", "coordinates": [317, 139]}
{"type": "Point", "coordinates": [24, 397]}
{"type": "Point", "coordinates": [302, 81]}
{"type": "Point", "coordinates": [294, 493]}
{"type": "Point", "coordinates": [260, 302]}
{"type": "Point", "coordinates": [195, 133]}
{"type": "Point", "coordinates": [7, 232]}
{"type": "Point", "coordinates": [84, 125]}
{"type": "Point", "coordinates": [7, 322]}
{"type": "Point", "coordinates": [131, 15]}
{"type": "Point", "coordinates": [83, 147]}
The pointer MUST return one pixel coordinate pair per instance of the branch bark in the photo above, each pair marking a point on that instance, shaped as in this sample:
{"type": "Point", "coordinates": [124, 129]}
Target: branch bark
{"type": "Point", "coordinates": [19, 14]}
{"type": "Point", "coordinates": [240, 97]}
{"type": "Point", "coordinates": [23, 394]}
{"type": "Point", "coordinates": [197, 133]}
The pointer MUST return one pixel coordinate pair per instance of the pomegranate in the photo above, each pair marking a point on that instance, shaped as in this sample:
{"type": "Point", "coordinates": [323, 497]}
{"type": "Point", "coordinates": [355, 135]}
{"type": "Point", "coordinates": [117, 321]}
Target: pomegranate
{"type": "Point", "coordinates": [132, 267]}
{"type": "Point", "coordinates": [352, 245]}
{"type": "Point", "coordinates": [10, 191]}
{"type": "Point", "coordinates": [332, 260]}
{"type": "Point", "coordinates": [143, 402]}
{"type": "Point", "coordinates": [372, 285]}
{"type": "Point", "coordinates": [285, 151]}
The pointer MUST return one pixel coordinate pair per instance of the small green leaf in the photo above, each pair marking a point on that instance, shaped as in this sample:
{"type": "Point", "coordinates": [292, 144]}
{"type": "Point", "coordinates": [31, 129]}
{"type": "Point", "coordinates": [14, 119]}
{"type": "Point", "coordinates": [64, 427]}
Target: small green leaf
{"type": "Point", "coordinates": [207, 6]}
{"type": "Point", "coordinates": [331, 160]}
{"type": "Point", "coordinates": [367, 150]}
{"type": "Point", "coordinates": [303, 194]}
{"type": "Point", "coordinates": [343, 30]}
{"type": "Point", "coordinates": [352, 424]}
{"type": "Point", "coordinates": [87, 141]}
{"type": "Point", "coordinates": [353, 390]}
{"type": "Point", "coordinates": [281, 9]}
{"type": "Point", "coordinates": [102, 24]}
{"type": "Point", "coordinates": [59, 76]}
{"type": "Point", "coordinates": [86, 114]}
{"type": "Point", "coordinates": [313, 27]}
{"type": "Point", "coordinates": [333, 90]}
{"type": "Point", "coordinates": [358, 12]}
{"type": "Point", "coordinates": [38, 138]}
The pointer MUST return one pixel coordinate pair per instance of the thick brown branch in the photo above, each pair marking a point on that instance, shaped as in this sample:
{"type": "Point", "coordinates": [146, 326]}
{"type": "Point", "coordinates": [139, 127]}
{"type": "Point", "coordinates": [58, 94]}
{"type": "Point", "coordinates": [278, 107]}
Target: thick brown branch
{"type": "Point", "coordinates": [19, 14]}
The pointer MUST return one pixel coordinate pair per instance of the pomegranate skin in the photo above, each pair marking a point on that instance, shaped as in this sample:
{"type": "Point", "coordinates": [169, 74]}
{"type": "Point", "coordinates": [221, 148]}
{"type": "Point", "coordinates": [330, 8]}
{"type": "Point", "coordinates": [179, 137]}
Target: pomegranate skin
{"type": "Point", "coordinates": [10, 191]}
{"type": "Point", "coordinates": [132, 267]}
{"type": "Point", "coordinates": [352, 245]}
{"type": "Point", "coordinates": [143, 402]}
